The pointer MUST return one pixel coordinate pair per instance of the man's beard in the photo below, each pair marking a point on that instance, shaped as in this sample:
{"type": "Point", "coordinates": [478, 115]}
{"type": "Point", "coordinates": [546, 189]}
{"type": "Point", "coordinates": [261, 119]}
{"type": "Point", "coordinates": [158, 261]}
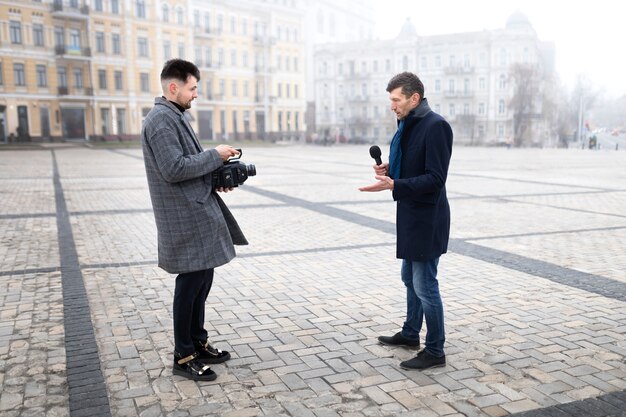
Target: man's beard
{"type": "Point", "coordinates": [186, 105]}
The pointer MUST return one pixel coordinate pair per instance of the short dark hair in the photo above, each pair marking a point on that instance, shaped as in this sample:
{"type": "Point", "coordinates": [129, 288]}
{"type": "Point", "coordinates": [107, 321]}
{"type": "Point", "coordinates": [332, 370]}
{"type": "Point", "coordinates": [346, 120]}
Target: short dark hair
{"type": "Point", "coordinates": [180, 70]}
{"type": "Point", "coordinates": [409, 82]}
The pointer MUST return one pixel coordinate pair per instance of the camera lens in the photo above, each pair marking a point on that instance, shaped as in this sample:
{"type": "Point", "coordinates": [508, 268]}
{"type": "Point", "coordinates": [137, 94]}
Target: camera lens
{"type": "Point", "coordinates": [251, 170]}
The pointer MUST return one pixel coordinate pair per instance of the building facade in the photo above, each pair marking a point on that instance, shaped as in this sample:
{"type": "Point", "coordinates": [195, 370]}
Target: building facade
{"type": "Point", "coordinates": [78, 69]}
{"type": "Point", "coordinates": [473, 79]}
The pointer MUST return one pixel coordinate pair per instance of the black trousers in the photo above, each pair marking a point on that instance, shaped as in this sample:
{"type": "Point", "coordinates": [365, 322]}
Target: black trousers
{"type": "Point", "coordinates": [190, 294]}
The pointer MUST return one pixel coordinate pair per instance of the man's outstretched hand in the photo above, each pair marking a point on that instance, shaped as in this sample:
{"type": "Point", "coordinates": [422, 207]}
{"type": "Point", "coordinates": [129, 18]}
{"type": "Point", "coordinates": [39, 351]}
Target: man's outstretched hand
{"type": "Point", "coordinates": [384, 183]}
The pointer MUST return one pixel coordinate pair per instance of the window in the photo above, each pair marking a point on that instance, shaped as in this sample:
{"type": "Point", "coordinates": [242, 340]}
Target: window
{"type": "Point", "coordinates": [466, 86]}
{"type": "Point", "coordinates": [437, 61]}
{"type": "Point", "coordinates": [116, 43]}
{"type": "Point", "coordinates": [288, 90]}
{"type": "Point", "coordinates": [423, 62]}
{"type": "Point", "coordinates": [140, 8]}
{"type": "Point", "coordinates": [196, 18]}
{"type": "Point", "coordinates": [387, 65]}
{"type": "Point", "coordinates": [165, 13]}
{"type": "Point", "coordinates": [74, 39]}
{"type": "Point", "coordinates": [220, 23]}
{"type": "Point", "coordinates": [296, 92]}
{"type": "Point", "coordinates": [500, 131]}
{"type": "Point", "coordinates": [233, 88]}
{"type": "Point", "coordinates": [181, 50]}
{"type": "Point", "coordinates": [59, 36]}
{"type": "Point", "coordinates": [452, 61]}
{"type": "Point", "coordinates": [222, 87]}
{"type": "Point", "coordinates": [115, 6]}
{"type": "Point", "coordinates": [142, 47]}
{"type": "Point", "coordinates": [1, 77]}
{"type": "Point", "coordinates": [117, 77]}
{"type": "Point", "coordinates": [15, 32]}
{"type": "Point", "coordinates": [144, 80]}
{"type": "Point", "coordinates": [42, 76]}
{"type": "Point", "coordinates": [245, 88]}
{"type": "Point", "coordinates": [100, 42]}
{"type": "Point", "coordinates": [38, 34]}
{"type": "Point", "coordinates": [78, 77]}
{"type": "Point", "coordinates": [451, 87]}
{"type": "Point", "coordinates": [451, 109]}
{"type": "Point", "coordinates": [233, 57]}
{"type": "Point", "coordinates": [437, 86]}
{"type": "Point", "coordinates": [102, 79]}
{"type": "Point", "coordinates": [167, 50]}
{"type": "Point", "coordinates": [501, 108]}
{"type": "Point", "coordinates": [208, 57]}
{"type": "Point", "coordinates": [233, 24]}
{"type": "Point", "coordinates": [481, 83]}
{"type": "Point", "coordinates": [502, 82]}
{"type": "Point", "coordinates": [62, 76]}
{"type": "Point", "coordinates": [121, 121]}
{"type": "Point", "coordinates": [98, 5]}
{"type": "Point", "coordinates": [466, 108]}
{"type": "Point", "coordinates": [180, 16]}
{"type": "Point", "coordinates": [481, 108]}
{"type": "Point", "coordinates": [105, 117]}
{"type": "Point", "coordinates": [19, 77]}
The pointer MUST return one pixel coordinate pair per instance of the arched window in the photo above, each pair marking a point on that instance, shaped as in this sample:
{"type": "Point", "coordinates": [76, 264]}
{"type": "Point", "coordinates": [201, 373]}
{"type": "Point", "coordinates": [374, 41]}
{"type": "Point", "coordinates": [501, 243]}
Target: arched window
{"type": "Point", "coordinates": [180, 16]}
{"type": "Point", "coordinates": [502, 83]}
{"type": "Point", "coordinates": [165, 12]}
{"type": "Point", "coordinates": [501, 107]}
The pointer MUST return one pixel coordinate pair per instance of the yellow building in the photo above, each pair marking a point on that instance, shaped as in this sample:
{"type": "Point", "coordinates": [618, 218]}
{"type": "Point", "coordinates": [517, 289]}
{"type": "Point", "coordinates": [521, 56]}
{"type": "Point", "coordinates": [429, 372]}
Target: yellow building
{"type": "Point", "coordinates": [71, 69]}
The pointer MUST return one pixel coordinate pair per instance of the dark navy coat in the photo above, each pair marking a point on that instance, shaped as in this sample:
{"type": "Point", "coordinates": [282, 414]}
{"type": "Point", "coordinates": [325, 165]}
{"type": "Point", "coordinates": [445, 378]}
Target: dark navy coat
{"type": "Point", "coordinates": [423, 213]}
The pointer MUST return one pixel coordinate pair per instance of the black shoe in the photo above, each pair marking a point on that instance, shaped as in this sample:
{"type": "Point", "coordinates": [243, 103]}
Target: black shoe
{"type": "Point", "coordinates": [399, 340]}
{"type": "Point", "coordinates": [190, 367]}
{"type": "Point", "coordinates": [209, 354]}
{"type": "Point", "coordinates": [424, 360]}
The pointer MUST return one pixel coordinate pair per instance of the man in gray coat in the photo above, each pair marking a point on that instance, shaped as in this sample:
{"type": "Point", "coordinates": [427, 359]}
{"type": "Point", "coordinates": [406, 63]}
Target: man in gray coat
{"type": "Point", "coordinates": [196, 231]}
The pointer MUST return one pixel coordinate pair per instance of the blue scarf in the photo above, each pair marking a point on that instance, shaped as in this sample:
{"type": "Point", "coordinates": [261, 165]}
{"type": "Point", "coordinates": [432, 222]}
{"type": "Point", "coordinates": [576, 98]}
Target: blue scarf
{"type": "Point", "coordinates": [395, 153]}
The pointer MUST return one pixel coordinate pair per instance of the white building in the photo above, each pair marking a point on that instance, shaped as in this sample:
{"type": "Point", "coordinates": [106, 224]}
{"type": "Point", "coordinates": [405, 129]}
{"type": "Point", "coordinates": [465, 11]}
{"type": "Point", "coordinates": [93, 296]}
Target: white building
{"type": "Point", "coordinates": [469, 78]}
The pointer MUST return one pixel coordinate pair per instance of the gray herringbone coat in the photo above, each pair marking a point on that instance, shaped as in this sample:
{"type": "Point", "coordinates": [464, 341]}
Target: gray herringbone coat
{"type": "Point", "coordinates": [196, 230]}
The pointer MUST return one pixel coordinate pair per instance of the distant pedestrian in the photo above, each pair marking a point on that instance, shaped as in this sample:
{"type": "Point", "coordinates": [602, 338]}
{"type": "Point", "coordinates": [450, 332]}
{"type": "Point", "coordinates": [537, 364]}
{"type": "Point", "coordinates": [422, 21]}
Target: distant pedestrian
{"type": "Point", "coordinates": [416, 175]}
{"type": "Point", "coordinates": [196, 231]}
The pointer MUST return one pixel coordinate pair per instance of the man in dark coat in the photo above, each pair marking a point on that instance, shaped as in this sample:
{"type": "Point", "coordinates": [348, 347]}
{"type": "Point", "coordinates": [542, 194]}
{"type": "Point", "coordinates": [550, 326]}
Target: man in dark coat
{"type": "Point", "coordinates": [416, 174]}
{"type": "Point", "coordinates": [196, 231]}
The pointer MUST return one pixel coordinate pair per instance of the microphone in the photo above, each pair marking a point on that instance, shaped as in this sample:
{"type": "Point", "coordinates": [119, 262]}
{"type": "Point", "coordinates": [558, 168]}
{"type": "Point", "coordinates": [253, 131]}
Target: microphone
{"type": "Point", "coordinates": [375, 153]}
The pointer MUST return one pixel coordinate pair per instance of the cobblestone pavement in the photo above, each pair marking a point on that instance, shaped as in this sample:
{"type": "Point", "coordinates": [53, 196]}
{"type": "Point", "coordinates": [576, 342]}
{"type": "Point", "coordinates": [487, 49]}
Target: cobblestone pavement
{"type": "Point", "coordinates": [534, 290]}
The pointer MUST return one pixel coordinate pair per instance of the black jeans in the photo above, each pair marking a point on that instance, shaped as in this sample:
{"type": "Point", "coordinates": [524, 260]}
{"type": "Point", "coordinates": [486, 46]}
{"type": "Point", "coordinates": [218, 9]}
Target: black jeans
{"type": "Point", "coordinates": [190, 294]}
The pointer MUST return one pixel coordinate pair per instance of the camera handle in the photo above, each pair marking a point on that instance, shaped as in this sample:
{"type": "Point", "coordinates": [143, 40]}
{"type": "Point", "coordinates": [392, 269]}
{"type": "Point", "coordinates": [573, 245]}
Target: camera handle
{"type": "Point", "coordinates": [235, 158]}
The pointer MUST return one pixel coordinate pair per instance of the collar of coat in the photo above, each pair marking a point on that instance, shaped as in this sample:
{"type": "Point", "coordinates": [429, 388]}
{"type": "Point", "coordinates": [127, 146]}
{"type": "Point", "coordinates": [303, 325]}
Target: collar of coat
{"type": "Point", "coordinates": [419, 112]}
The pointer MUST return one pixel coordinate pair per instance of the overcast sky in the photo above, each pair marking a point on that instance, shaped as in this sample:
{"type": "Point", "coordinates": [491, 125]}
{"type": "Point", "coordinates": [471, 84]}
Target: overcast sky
{"type": "Point", "coordinates": [589, 36]}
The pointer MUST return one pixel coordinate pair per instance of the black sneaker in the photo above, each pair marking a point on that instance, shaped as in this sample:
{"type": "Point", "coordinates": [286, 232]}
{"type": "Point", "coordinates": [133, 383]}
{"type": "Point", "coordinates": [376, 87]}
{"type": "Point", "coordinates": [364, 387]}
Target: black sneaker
{"type": "Point", "coordinates": [209, 354]}
{"type": "Point", "coordinates": [424, 360]}
{"type": "Point", "coordinates": [399, 340]}
{"type": "Point", "coordinates": [190, 367]}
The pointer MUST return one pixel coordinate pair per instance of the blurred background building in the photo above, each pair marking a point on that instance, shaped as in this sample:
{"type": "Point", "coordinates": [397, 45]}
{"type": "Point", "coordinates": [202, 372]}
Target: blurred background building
{"type": "Point", "coordinates": [271, 70]}
{"type": "Point", "coordinates": [493, 86]}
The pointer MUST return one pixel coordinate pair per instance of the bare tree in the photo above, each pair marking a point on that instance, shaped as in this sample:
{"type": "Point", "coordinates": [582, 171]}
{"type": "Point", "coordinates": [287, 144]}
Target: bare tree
{"type": "Point", "coordinates": [526, 100]}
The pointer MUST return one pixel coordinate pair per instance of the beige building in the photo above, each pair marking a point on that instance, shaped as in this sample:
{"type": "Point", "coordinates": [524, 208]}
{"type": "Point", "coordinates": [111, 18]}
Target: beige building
{"type": "Point", "coordinates": [469, 78]}
{"type": "Point", "coordinates": [76, 69]}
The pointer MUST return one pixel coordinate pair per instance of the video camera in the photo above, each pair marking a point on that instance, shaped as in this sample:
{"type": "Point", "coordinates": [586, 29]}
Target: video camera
{"type": "Point", "coordinates": [232, 173]}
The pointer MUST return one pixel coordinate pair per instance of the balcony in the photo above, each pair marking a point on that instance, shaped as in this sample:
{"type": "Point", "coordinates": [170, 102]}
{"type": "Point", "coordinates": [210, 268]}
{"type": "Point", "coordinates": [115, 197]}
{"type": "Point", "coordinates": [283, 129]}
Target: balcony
{"type": "Point", "coordinates": [67, 10]}
{"type": "Point", "coordinates": [63, 91]}
{"type": "Point", "coordinates": [458, 70]}
{"type": "Point", "coordinates": [207, 33]}
{"type": "Point", "coordinates": [70, 51]}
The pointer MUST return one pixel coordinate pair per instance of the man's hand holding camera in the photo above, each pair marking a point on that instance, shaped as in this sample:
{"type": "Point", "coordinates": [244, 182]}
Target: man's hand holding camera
{"type": "Point", "coordinates": [226, 152]}
{"type": "Point", "coordinates": [384, 181]}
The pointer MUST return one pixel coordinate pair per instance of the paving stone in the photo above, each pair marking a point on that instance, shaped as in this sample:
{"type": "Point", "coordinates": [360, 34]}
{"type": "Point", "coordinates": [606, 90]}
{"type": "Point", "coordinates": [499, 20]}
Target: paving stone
{"type": "Point", "coordinates": [300, 308]}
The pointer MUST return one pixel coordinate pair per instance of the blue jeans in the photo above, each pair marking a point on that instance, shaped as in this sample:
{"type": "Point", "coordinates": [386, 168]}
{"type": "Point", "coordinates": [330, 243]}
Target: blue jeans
{"type": "Point", "coordinates": [423, 300]}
